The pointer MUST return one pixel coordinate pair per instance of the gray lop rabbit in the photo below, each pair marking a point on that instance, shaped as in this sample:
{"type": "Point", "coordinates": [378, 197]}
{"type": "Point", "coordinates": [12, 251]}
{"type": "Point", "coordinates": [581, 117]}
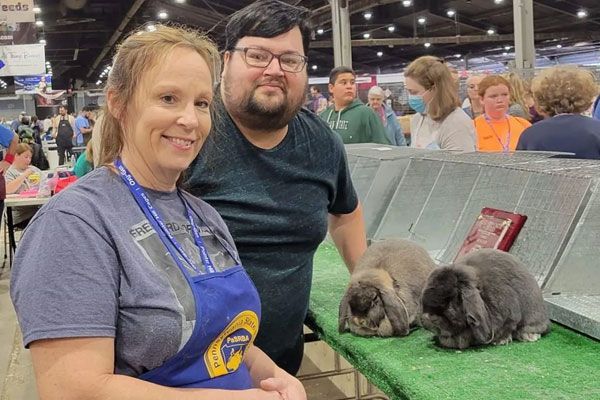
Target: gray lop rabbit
{"type": "Point", "coordinates": [486, 297]}
{"type": "Point", "coordinates": [383, 297]}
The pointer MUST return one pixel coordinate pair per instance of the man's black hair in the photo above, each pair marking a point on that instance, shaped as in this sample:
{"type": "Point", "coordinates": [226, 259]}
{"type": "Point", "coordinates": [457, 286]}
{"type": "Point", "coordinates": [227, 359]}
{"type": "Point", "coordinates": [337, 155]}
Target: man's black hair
{"type": "Point", "coordinates": [267, 19]}
{"type": "Point", "coordinates": [340, 70]}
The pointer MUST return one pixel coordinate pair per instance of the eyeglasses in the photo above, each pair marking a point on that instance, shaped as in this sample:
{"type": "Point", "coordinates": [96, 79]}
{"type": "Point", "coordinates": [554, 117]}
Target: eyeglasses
{"type": "Point", "coordinates": [261, 58]}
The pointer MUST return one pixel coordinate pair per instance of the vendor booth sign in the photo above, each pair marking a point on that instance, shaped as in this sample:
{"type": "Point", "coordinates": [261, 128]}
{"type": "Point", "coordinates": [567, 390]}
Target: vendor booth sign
{"type": "Point", "coordinates": [17, 11]}
{"type": "Point", "coordinates": [33, 84]}
{"type": "Point", "coordinates": [50, 98]}
{"type": "Point", "coordinates": [17, 33]}
{"type": "Point", "coordinates": [23, 59]}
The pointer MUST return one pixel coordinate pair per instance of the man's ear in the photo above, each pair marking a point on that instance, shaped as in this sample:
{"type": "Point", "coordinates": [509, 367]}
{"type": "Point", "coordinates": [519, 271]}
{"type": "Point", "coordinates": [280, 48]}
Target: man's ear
{"type": "Point", "coordinates": [226, 58]}
{"type": "Point", "coordinates": [330, 87]}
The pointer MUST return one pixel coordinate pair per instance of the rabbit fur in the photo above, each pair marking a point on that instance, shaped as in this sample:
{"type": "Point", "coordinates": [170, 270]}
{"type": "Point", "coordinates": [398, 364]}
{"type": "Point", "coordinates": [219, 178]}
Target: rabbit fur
{"type": "Point", "coordinates": [487, 296]}
{"type": "Point", "coordinates": [383, 296]}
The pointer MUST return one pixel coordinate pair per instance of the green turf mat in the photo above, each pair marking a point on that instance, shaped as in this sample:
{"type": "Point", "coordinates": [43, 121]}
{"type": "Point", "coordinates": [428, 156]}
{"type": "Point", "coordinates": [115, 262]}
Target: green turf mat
{"type": "Point", "coordinates": [561, 365]}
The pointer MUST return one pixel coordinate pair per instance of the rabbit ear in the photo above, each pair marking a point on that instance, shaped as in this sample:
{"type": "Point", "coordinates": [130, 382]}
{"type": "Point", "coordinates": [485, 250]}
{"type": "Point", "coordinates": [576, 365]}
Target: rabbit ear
{"type": "Point", "coordinates": [344, 312]}
{"type": "Point", "coordinates": [395, 311]}
{"type": "Point", "coordinates": [476, 313]}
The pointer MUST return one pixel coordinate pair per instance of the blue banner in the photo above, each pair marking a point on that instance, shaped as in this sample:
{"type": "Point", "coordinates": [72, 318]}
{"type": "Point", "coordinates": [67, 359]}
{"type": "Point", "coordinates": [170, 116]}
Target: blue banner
{"type": "Point", "coordinates": [33, 84]}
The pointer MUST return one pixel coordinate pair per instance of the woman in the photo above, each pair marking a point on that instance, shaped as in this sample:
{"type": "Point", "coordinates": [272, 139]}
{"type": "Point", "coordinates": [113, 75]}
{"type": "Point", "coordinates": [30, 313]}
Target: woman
{"type": "Point", "coordinates": [439, 122]}
{"type": "Point", "coordinates": [496, 130]}
{"type": "Point", "coordinates": [85, 161]}
{"type": "Point", "coordinates": [387, 116]}
{"type": "Point", "coordinates": [474, 108]}
{"type": "Point", "coordinates": [138, 291]}
{"type": "Point", "coordinates": [519, 102]}
{"type": "Point", "coordinates": [21, 177]}
{"type": "Point", "coordinates": [563, 94]}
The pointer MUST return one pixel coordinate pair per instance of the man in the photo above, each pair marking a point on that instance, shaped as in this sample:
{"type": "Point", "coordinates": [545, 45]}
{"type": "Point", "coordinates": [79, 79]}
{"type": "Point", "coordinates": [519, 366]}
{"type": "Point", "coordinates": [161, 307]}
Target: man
{"type": "Point", "coordinates": [318, 102]}
{"type": "Point", "coordinates": [348, 116]}
{"type": "Point", "coordinates": [83, 129]}
{"type": "Point", "coordinates": [275, 171]}
{"type": "Point", "coordinates": [63, 128]}
{"type": "Point", "coordinates": [9, 140]}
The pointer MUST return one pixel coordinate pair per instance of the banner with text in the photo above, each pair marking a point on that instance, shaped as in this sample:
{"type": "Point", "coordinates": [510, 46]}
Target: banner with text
{"type": "Point", "coordinates": [33, 84]}
{"type": "Point", "coordinates": [17, 33]}
{"type": "Point", "coordinates": [16, 11]}
{"type": "Point", "coordinates": [23, 59]}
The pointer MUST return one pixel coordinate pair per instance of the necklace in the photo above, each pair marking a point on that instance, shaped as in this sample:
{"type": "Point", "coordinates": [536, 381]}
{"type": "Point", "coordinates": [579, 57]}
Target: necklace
{"type": "Point", "coordinates": [505, 147]}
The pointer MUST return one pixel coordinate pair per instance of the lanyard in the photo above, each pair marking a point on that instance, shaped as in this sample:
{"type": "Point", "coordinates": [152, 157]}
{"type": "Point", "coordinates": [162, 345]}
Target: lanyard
{"type": "Point", "coordinates": [159, 226]}
{"type": "Point", "coordinates": [505, 147]}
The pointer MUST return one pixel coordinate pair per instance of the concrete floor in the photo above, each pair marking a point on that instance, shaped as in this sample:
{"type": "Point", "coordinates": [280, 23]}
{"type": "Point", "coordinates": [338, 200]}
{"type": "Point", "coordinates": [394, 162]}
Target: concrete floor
{"type": "Point", "coordinates": [17, 381]}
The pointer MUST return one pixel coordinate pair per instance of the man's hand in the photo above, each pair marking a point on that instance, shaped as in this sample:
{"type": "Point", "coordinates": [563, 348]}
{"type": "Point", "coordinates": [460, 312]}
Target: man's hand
{"type": "Point", "coordinates": [288, 387]}
{"type": "Point", "coordinates": [4, 166]}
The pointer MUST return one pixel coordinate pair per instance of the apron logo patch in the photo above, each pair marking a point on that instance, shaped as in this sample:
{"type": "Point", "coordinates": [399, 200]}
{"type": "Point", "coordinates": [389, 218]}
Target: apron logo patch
{"type": "Point", "coordinates": [226, 353]}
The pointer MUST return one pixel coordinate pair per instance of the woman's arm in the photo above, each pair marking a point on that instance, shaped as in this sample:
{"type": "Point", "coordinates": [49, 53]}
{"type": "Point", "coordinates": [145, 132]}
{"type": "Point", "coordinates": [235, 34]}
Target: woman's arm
{"type": "Point", "coordinates": [13, 185]}
{"type": "Point", "coordinates": [82, 368]}
{"type": "Point", "coordinates": [268, 376]}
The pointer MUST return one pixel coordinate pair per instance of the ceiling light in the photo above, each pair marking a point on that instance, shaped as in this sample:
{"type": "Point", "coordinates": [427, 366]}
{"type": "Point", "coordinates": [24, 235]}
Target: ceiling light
{"type": "Point", "coordinates": [314, 67]}
{"type": "Point", "coordinates": [407, 3]}
{"type": "Point", "coordinates": [366, 35]}
{"type": "Point", "coordinates": [498, 1]}
{"type": "Point", "coordinates": [450, 13]}
{"type": "Point", "coordinates": [162, 15]}
{"type": "Point", "coordinates": [47, 63]}
{"type": "Point", "coordinates": [179, 1]}
{"type": "Point", "coordinates": [368, 15]}
{"type": "Point", "coordinates": [582, 13]}
{"type": "Point", "coordinates": [320, 31]}
{"type": "Point", "coordinates": [391, 28]}
{"type": "Point", "coordinates": [422, 20]}
{"type": "Point", "coordinates": [43, 41]}
{"type": "Point", "coordinates": [428, 45]}
{"type": "Point", "coordinates": [462, 59]}
{"type": "Point", "coordinates": [457, 55]}
{"type": "Point", "coordinates": [39, 23]}
{"type": "Point", "coordinates": [507, 48]}
{"type": "Point", "coordinates": [37, 10]}
{"type": "Point", "coordinates": [505, 54]}
{"type": "Point", "coordinates": [559, 46]}
{"type": "Point", "coordinates": [98, 82]}
{"type": "Point", "coordinates": [380, 54]}
{"type": "Point", "coordinates": [491, 31]}
{"type": "Point", "coordinates": [151, 28]}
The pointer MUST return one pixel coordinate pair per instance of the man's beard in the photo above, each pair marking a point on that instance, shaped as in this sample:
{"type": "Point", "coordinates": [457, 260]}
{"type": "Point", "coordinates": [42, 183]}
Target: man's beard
{"type": "Point", "coordinates": [255, 115]}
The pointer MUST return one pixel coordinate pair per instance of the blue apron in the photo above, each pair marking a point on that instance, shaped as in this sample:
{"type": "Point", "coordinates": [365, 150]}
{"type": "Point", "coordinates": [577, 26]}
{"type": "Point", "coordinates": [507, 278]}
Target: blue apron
{"type": "Point", "coordinates": [227, 313]}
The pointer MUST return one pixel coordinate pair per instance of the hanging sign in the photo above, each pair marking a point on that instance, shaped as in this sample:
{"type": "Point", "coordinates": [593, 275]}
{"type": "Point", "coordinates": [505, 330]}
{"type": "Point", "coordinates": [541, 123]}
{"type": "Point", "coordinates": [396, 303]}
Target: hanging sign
{"type": "Point", "coordinates": [16, 11]}
{"type": "Point", "coordinates": [23, 59]}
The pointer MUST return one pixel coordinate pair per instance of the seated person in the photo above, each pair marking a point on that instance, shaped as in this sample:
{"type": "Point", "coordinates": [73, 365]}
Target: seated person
{"type": "Point", "coordinates": [20, 177]}
{"type": "Point", "coordinates": [563, 94]}
{"type": "Point", "coordinates": [84, 162]}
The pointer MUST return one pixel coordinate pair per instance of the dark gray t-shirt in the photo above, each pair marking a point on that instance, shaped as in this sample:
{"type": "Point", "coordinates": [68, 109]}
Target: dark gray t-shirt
{"type": "Point", "coordinates": [90, 264]}
{"type": "Point", "coordinates": [275, 203]}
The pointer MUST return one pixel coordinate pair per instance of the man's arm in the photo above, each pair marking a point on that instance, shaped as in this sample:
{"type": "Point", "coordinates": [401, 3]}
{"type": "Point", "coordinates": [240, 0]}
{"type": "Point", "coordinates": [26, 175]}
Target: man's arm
{"type": "Point", "coordinates": [348, 234]}
{"type": "Point", "coordinates": [10, 153]}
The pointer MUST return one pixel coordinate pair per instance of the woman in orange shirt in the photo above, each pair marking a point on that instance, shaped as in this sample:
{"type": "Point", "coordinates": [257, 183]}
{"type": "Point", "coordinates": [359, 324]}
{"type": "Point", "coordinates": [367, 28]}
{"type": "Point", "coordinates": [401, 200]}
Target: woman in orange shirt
{"type": "Point", "coordinates": [496, 130]}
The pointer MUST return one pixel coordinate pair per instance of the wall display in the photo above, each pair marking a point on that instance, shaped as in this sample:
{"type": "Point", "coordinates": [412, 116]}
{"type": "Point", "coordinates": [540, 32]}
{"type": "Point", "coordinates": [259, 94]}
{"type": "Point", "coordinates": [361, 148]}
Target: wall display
{"type": "Point", "coordinates": [33, 84]}
{"type": "Point", "coordinates": [17, 33]}
{"type": "Point", "coordinates": [17, 11]}
{"type": "Point", "coordinates": [23, 59]}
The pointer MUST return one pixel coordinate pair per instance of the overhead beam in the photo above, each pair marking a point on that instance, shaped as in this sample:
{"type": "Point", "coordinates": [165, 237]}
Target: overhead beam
{"type": "Point", "coordinates": [456, 40]}
{"type": "Point", "coordinates": [460, 20]}
{"type": "Point", "coordinates": [554, 7]}
{"type": "Point", "coordinates": [116, 35]}
{"type": "Point", "coordinates": [322, 15]}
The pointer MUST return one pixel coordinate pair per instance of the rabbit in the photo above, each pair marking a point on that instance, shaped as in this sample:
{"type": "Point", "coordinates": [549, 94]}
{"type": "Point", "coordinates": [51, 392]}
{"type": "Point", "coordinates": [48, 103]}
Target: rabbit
{"type": "Point", "coordinates": [383, 296]}
{"type": "Point", "coordinates": [487, 296]}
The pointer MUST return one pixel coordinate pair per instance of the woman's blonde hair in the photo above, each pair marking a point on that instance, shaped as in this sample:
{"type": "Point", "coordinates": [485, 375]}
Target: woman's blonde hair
{"type": "Point", "coordinates": [135, 56]}
{"type": "Point", "coordinates": [433, 74]}
{"type": "Point", "coordinates": [559, 90]}
{"type": "Point", "coordinates": [22, 148]}
{"type": "Point", "coordinates": [518, 91]}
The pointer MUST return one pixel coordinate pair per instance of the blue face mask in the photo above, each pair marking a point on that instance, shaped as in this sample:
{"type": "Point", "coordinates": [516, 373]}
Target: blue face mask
{"type": "Point", "coordinates": [416, 102]}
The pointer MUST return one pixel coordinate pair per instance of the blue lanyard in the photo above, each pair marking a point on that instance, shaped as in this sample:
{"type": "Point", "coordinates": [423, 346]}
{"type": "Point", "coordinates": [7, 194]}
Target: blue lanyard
{"type": "Point", "coordinates": [505, 147]}
{"type": "Point", "coordinates": [159, 226]}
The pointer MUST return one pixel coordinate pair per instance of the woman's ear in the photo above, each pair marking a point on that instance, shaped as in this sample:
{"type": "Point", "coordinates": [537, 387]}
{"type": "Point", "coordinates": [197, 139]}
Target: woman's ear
{"type": "Point", "coordinates": [115, 108]}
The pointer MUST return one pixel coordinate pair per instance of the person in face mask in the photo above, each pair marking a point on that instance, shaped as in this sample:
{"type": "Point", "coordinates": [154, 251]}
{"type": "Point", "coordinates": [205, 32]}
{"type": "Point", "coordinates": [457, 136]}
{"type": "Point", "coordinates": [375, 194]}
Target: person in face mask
{"type": "Point", "coordinates": [439, 122]}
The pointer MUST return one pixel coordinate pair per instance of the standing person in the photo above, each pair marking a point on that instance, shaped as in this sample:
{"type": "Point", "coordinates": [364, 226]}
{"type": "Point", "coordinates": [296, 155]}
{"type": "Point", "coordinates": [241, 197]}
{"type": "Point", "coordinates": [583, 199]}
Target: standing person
{"type": "Point", "coordinates": [496, 129]}
{"type": "Point", "coordinates": [152, 302]}
{"type": "Point", "coordinates": [318, 102]}
{"type": "Point", "coordinates": [348, 116]}
{"type": "Point", "coordinates": [439, 122]}
{"type": "Point", "coordinates": [474, 108]}
{"type": "Point", "coordinates": [386, 115]}
{"type": "Point", "coordinates": [83, 129]}
{"type": "Point", "coordinates": [63, 128]}
{"type": "Point", "coordinates": [519, 101]}
{"type": "Point", "coordinates": [275, 171]}
{"type": "Point", "coordinates": [563, 94]}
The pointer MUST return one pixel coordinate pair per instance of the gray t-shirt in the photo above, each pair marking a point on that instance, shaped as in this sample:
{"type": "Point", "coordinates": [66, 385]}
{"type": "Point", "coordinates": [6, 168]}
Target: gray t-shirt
{"type": "Point", "coordinates": [90, 264]}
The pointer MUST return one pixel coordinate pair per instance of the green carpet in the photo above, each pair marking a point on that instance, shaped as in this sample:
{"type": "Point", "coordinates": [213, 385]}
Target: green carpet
{"type": "Point", "coordinates": [561, 365]}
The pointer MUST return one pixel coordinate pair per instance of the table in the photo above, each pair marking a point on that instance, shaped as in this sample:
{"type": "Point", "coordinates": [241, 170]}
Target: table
{"type": "Point", "coordinates": [562, 365]}
{"type": "Point", "coordinates": [14, 200]}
